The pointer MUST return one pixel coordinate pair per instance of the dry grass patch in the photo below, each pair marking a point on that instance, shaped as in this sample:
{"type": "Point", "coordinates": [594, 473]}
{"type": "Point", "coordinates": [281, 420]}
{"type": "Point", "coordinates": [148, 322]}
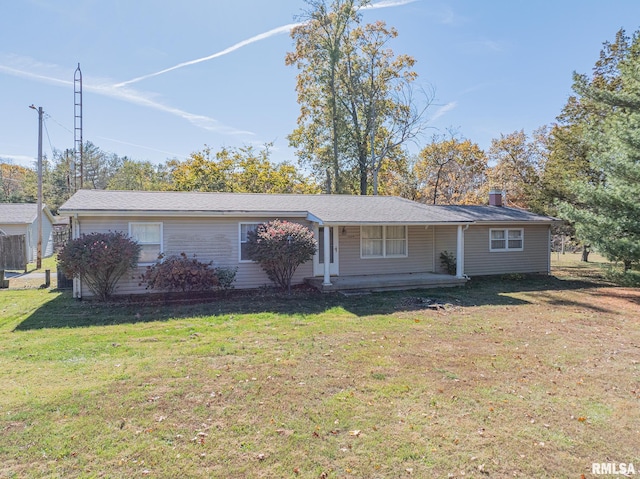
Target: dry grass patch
{"type": "Point", "coordinates": [511, 379]}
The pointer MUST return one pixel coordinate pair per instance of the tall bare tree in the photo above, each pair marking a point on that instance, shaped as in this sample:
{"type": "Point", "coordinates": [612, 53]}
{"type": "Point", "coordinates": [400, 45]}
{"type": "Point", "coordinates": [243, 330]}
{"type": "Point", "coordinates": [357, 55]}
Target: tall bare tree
{"type": "Point", "coordinates": [518, 161]}
{"type": "Point", "coordinates": [450, 171]}
{"type": "Point", "coordinates": [354, 91]}
{"type": "Point", "coordinates": [319, 45]}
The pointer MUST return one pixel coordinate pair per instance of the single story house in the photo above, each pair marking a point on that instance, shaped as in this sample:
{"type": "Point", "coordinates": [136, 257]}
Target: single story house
{"type": "Point", "coordinates": [361, 236]}
{"type": "Point", "coordinates": [22, 219]}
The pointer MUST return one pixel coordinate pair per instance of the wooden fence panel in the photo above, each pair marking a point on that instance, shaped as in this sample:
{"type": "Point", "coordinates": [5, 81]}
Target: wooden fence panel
{"type": "Point", "coordinates": [13, 252]}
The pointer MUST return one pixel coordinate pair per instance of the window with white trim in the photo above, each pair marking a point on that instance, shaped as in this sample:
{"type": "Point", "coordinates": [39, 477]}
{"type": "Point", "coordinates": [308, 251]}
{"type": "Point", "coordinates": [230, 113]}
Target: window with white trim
{"type": "Point", "coordinates": [244, 230]}
{"type": "Point", "coordinates": [149, 237]}
{"type": "Point", "coordinates": [506, 239]}
{"type": "Point", "coordinates": [383, 241]}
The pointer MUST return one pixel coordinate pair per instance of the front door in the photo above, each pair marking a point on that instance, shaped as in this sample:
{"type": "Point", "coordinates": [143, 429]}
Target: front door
{"type": "Point", "coordinates": [318, 259]}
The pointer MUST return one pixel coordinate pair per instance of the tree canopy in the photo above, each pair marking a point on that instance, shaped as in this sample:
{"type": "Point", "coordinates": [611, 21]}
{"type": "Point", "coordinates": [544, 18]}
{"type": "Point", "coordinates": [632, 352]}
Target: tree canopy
{"type": "Point", "coordinates": [240, 170]}
{"type": "Point", "coordinates": [357, 103]}
{"type": "Point", "coordinates": [451, 171]}
{"type": "Point", "coordinates": [606, 212]}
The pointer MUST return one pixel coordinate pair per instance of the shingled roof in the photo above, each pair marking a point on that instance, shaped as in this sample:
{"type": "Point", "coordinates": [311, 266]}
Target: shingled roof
{"type": "Point", "coordinates": [20, 213]}
{"type": "Point", "coordinates": [326, 209]}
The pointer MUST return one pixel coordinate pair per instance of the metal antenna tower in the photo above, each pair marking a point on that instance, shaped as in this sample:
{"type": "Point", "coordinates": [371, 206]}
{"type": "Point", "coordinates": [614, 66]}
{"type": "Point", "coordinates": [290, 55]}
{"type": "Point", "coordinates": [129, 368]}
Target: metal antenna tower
{"type": "Point", "coordinates": [77, 127]}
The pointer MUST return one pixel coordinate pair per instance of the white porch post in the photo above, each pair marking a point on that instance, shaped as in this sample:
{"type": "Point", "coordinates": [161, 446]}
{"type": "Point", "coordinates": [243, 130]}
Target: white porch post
{"type": "Point", "coordinates": [327, 256]}
{"type": "Point", "coordinates": [460, 253]}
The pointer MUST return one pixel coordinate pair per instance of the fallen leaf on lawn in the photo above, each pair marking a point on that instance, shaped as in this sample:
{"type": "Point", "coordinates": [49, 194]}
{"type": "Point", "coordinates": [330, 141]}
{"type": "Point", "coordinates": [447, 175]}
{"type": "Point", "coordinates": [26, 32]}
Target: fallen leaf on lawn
{"type": "Point", "coordinates": [261, 457]}
{"type": "Point", "coordinates": [355, 432]}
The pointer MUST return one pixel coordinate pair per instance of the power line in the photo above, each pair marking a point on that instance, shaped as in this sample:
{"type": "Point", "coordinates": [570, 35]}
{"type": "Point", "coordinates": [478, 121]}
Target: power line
{"type": "Point", "coordinates": [49, 117]}
{"type": "Point", "coordinates": [48, 137]}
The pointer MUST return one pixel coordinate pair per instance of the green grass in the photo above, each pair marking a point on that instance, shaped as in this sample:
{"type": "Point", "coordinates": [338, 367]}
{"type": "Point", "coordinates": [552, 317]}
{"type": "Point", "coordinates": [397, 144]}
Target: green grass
{"type": "Point", "coordinates": [519, 378]}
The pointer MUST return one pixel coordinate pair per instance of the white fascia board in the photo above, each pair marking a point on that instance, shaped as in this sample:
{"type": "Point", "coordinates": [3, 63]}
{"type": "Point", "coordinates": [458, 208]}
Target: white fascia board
{"type": "Point", "coordinates": [387, 223]}
{"type": "Point", "coordinates": [186, 213]}
{"type": "Point", "coordinates": [514, 222]}
{"type": "Point", "coordinates": [314, 219]}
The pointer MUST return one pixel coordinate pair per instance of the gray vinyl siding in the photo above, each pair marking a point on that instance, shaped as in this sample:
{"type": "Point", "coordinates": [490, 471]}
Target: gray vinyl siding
{"type": "Point", "coordinates": [419, 249]}
{"type": "Point", "coordinates": [31, 237]}
{"type": "Point", "coordinates": [47, 237]}
{"type": "Point", "coordinates": [446, 239]}
{"type": "Point", "coordinates": [210, 239]}
{"type": "Point", "coordinates": [533, 259]}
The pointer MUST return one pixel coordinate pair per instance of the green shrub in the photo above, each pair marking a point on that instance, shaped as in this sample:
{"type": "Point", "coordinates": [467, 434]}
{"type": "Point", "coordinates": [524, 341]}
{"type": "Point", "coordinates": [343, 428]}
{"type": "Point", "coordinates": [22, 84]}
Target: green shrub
{"type": "Point", "coordinates": [448, 262]}
{"type": "Point", "coordinates": [280, 247]}
{"type": "Point", "coordinates": [513, 277]}
{"type": "Point", "coordinates": [226, 277]}
{"type": "Point", "coordinates": [100, 259]}
{"type": "Point", "coordinates": [179, 273]}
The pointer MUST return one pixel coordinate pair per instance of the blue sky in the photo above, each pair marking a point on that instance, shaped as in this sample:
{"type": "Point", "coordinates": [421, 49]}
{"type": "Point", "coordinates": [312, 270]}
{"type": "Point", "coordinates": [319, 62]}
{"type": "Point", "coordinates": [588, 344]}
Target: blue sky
{"type": "Point", "coordinates": [496, 66]}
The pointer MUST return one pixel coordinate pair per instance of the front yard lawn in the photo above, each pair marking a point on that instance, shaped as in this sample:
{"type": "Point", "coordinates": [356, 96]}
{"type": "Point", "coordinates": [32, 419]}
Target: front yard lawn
{"type": "Point", "coordinates": [515, 377]}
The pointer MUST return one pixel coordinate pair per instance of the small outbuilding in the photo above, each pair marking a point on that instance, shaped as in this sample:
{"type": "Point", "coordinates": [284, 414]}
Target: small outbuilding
{"type": "Point", "coordinates": [22, 219]}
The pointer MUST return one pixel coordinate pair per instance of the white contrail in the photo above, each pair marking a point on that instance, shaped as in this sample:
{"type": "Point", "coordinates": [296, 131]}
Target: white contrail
{"type": "Point", "coordinates": [262, 36]}
{"type": "Point", "coordinates": [243, 43]}
{"type": "Point", "coordinates": [33, 76]}
{"type": "Point", "coordinates": [105, 87]}
{"type": "Point", "coordinates": [443, 110]}
{"type": "Point", "coordinates": [134, 96]}
{"type": "Point", "coordinates": [387, 4]}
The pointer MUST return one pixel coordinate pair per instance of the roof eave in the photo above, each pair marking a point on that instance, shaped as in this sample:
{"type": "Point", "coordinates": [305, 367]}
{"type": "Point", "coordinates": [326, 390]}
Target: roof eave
{"type": "Point", "coordinates": [181, 213]}
{"type": "Point", "coordinates": [397, 222]}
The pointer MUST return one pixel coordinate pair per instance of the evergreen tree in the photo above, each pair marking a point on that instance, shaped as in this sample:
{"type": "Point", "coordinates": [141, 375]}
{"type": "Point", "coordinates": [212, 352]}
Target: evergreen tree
{"type": "Point", "coordinates": [606, 213]}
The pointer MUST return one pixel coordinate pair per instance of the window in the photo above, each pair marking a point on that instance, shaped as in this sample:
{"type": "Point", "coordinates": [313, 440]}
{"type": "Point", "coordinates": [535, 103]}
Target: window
{"type": "Point", "coordinates": [396, 241]}
{"type": "Point", "coordinates": [383, 241]}
{"type": "Point", "coordinates": [506, 239]}
{"type": "Point", "coordinates": [244, 229]}
{"type": "Point", "coordinates": [372, 241]}
{"type": "Point", "coordinates": [149, 236]}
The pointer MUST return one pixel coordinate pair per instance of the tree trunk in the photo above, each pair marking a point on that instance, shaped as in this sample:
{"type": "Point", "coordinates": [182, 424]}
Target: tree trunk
{"type": "Point", "coordinates": [585, 254]}
{"type": "Point", "coordinates": [375, 181]}
{"type": "Point", "coordinates": [364, 183]}
{"type": "Point", "coordinates": [334, 134]}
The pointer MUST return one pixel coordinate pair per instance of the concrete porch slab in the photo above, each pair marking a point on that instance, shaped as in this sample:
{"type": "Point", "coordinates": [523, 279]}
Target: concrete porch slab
{"type": "Point", "coordinates": [386, 282]}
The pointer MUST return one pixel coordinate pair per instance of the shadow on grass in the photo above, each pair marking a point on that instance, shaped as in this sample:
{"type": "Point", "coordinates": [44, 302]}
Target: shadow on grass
{"type": "Point", "coordinates": [65, 312]}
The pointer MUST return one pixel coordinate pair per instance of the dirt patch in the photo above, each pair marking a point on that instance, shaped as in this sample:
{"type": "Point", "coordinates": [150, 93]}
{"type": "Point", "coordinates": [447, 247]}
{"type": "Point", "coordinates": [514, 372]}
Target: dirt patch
{"type": "Point", "coordinates": [623, 300]}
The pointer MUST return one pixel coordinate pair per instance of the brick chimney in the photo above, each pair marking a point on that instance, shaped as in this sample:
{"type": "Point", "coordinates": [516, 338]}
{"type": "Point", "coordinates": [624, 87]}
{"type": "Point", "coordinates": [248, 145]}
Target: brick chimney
{"type": "Point", "coordinates": [495, 197]}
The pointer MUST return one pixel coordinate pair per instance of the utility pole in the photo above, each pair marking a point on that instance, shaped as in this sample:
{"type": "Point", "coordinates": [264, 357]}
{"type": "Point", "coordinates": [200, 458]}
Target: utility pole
{"type": "Point", "coordinates": [39, 253]}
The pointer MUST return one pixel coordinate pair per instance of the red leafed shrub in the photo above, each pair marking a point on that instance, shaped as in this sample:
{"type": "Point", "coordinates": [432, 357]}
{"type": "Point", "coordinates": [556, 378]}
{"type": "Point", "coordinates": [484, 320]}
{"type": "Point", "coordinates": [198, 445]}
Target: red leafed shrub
{"type": "Point", "coordinates": [179, 273]}
{"type": "Point", "coordinates": [100, 259]}
{"type": "Point", "coordinates": [280, 247]}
